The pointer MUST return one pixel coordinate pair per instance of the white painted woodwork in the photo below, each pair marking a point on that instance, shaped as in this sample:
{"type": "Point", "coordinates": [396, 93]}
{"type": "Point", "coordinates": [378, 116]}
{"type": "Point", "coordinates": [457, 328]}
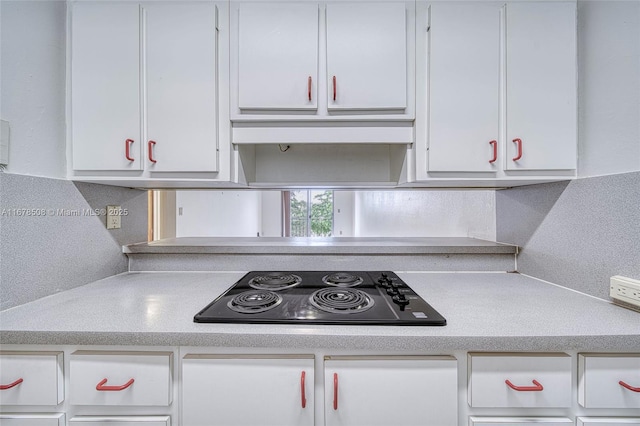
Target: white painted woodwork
{"type": "Point", "coordinates": [488, 374]}
{"type": "Point", "coordinates": [57, 419]}
{"type": "Point", "coordinates": [519, 421]}
{"type": "Point", "coordinates": [278, 53]}
{"type": "Point", "coordinates": [599, 377]}
{"type": "Point", "coordinates": [41, 374]}
{"type": "Point", "coordinates": [464, 60]}
{"type": "Point", "coordinates": [608, 421]}
{"type": "Point", "coordinates": [391, 391]}
{"type": "Point", "coordinates": [105, 85]}
{"type": "Point", "coordinates": [151, 371]}
{"type": "Point", "coordinates": [181, 85]}
{"type": "Point", "coordinates": [247, 390]}
{"type": "Point", "coordinates": [541, 85]}
{"type": "Point", "coordinates": [121, 421]}
{"type": "Point", "coordinates": [367, 54]}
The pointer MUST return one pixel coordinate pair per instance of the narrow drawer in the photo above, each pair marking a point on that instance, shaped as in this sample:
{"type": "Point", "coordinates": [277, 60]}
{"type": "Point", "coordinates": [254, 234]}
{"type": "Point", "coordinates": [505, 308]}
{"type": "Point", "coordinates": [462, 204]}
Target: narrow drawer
{"type": "Point", "coordinates": [121, 421]}
{"type": "Point", "coordinates": [519, 421]}
{"type": "Point", "coordinates": [121, 378]}
{"type": "Point", "coordinates": [31, 378]}
{"type": "Point", "coordinates": [608, 421]}
{"type": "Point", "coordinates": [519, 380]}
{"type": "Point", "coordinates": [609, 380]}
{"type": "Point", "coordinates": [56, 419]}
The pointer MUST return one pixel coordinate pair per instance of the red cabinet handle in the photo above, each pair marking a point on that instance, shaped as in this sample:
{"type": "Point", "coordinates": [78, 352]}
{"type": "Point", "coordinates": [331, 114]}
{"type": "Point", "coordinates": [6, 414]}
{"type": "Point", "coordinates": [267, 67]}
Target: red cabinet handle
{"type": "Point", "coordinates": [628, 386]}
{"type": "Point", "coordinates": [309, 87]}
{"type": "Point", "coordinates": [334, 87]}
{"type": "Point", "coordinates": [151, 145]}
{"type": "Point", "coordinates": [11, 385]}
{"type": "Point", "coordinates": [127, 148]}
{"type": "Point", "coordinates": [519, 143]}
{"type": "Point", "coordinates": [335, 389]}
{"type": "Point", "coordinates": [538, 387]}
{"type": "Point", "coordinates": [101, 387]}
{"type": "Point", "coordinates": [304, 398]}
{"type": "Point", "coordinates": [495, 151]}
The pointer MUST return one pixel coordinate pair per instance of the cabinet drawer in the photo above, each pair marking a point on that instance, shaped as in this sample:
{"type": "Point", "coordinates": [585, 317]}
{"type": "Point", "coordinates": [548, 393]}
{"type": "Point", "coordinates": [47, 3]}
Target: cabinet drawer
{"type": "Point", "coordinates": [31, 378]}
{"type": "Point", "coordinates": [519, 421]}
{"type": "Point", "coordinates": [121, 421]}
{"type": "Point", "coordinates": [608, 421]}
{"type": "Point", "coordinates": [519, 380]}
{"type": "Point", "coordinates": [56, 419]}
{"type": "Point", "coordinates": [609, 380]}
{"type": "Point", "coordinates": [121, 378]}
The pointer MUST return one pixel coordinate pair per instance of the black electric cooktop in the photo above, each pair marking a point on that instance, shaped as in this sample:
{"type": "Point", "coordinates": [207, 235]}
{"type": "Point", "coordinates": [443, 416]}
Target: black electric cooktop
{"type": "Point", "coordinates": [320, 297]}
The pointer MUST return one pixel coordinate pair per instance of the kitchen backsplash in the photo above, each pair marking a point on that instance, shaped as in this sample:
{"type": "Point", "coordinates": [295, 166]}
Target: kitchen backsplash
{"type": "Point", "coordinates": [576, 234]}
{"type": "Point", "coordinates": [53, 235]}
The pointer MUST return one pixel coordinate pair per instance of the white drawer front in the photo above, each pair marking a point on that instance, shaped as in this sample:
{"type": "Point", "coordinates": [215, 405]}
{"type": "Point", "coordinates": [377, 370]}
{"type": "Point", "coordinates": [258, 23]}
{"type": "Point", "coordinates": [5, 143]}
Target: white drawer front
{"type": "Point", "coordinates": [121, 421]}
{"type": "Point", "coordinates": [609, 381]}
{"type": "Point", "coordinates": [31, 378]}
{"type": "Point", "coordinates": [516, 380]}
{"type": "Point", "coordinates": [519, 421]}
{"type": "Point", "coordinates": [56, 419]}
{"type": "Point", "coordinates": [608, 421]}
{"type": "Point", "coordinates": [132, 378]}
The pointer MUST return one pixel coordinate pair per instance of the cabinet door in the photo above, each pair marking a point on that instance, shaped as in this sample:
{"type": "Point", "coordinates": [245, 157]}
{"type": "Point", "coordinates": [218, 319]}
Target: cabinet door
{"type": "Point", "coordinates": [464, 59]}
{"type": "Point", "coordinates": [249, 391]}
{"type": "Point", "coordinates": [57, 419]}
{"type": "Point", "coordinates": [121, 421]}
{"type": "Point", "coordinates": [541, 85]}
{"type": "Point", "coordinates": [181, 78]}
{"type": "Point", "coordinates": [105, 86]}
{"type": "Point", "coordinates": [278, 56]}
{"type": "Point", "coordinates": [608, 421]}
{"type": "Point", "coordinates": [387, 391]}
{"type": "Point", "coordinates": [609, 380]}
{"type": "Point", "coordinates": [519, 421]}
{"type": "Point", "coordinates": [31, 378]}
{"type": "Point", "coordinates": [366, 56]}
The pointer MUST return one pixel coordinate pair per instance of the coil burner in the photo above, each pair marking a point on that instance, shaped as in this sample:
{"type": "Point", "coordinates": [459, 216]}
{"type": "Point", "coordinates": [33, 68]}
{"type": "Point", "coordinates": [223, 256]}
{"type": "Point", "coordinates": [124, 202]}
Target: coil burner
{"type": "Point", "coordinates": [253, 302]}
{"type": "Point", "coordinates": [342, 279]}
{"type": "Point", "coordinates": [274, 281]}
{"type": "Point", "coordinates": [341, 300]}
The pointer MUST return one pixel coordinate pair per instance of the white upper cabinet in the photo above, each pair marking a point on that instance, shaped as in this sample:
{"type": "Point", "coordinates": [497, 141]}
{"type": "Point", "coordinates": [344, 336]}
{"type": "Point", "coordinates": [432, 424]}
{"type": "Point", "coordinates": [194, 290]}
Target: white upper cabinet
{"type": "Point", "coordinates": [541, 85]}
{"type": "Point", "coordinates": [366, 56]}
{"type": "Point", "coordinates": [278, 56]}
{"type": "Point", "coordinates": [105, 78]}
{"type": "Point", "coordinates": [464, 62]}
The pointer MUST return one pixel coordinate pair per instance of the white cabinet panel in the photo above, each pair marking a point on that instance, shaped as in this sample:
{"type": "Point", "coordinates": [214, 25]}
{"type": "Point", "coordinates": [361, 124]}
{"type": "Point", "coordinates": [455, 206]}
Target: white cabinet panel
{"type": "Point", "coordinates": [541, 85]}
{"type": "Point", "coordinates": [121, 421]}
{"type": "Point", "coordinates": [121, 378]}
{"type": "Point", "coordinates": [464, 60]}
{"type": "Point", "coordinates": [247, 390]}
{"type": "Point", "coordinates": [181, 73]}
{"type": "Point", "coordinates": [105, 92]}
{"type": "Point", "coordinates": [278, 56]}
{"type": "Point", "coordinates": [519, 380]}
{"type": "Point", "coordinates": [390, 391]}
{"type": "Point", "coordinates": [31, 378]}
{"type": "Point", "coordinates": [608, 421]}
{"type": "Point", "coordinates": [57, 419]}
{"type": "Point", "coordinates": [609, 380]}
{"type": "Point", "coordinates": [519, 421]}
{"type": "Point", "coordinates": [366, 56]}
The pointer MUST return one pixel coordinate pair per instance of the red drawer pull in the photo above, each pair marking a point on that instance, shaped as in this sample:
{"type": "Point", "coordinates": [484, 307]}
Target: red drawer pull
{"type": "Point", "coordinates": [538, 387]}
{"type": "Point", "coordinates": [302, 393]}
{"type": "Point", "coordinates": [334, 88]}
{"type": "Point", "coordinates": [151, 145]}
{"type": "Point", "coordinates": [100, 386]}
{"type": "Point", "coordinates": [628, 386]}
{"type": "Point", "coordinates": [127, 149]}
{"type": "Point", "coordinates": [519, 143]}
{"type": "Point", "coordinates": [495, 151]}
{"type": "Point", "coordinates": [335, 391]}
{"type": "Point", "coordinates": [309, 87]}
{"type": "Point", "coordinates": [11, 385]}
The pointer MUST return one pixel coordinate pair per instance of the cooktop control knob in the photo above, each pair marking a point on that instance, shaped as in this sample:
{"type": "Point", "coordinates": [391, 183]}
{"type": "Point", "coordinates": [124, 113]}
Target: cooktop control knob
{"type": "Point", "coordinates": [400, 300]}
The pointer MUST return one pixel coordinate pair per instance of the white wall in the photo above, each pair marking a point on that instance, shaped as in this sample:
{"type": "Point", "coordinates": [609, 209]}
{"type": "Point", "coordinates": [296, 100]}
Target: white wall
{"type": "Point", "coordinates": [271, 212]}
{"type": "Point", "coordinates": [608, 87]}
{"type": "Point", "coordinates": [343, 213]}
{"type": "Point", "coordinates": [33, 85]}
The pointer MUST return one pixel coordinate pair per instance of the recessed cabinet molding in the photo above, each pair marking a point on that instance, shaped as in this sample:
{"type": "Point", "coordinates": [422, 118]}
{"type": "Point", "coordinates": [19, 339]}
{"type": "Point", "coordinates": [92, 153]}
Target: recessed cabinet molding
{"type": "Point", "coordinates": [609, 380]}
{"type": "Point", "coordinates": [608, 421]}
{"type": "Point", "coordinates": [31, 378]}
{"type": "Point", "coordinates": [121, 420]}
{"type": "Point", "coordinates": [57, 419]}
{"type": "Point", "coordinates": [519, 421]}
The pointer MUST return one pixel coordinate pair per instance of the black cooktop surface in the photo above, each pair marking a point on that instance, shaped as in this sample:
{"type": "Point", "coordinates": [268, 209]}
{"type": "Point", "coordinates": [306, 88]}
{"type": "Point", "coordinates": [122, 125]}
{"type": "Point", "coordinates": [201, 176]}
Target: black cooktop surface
{"type": "Point", "coordinates": [320, 297]}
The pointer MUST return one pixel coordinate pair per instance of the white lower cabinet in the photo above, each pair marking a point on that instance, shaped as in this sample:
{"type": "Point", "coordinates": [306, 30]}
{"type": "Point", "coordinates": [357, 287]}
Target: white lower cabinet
{"type": "Point", "coordinates": [608, 421]}
{"type": "Point", "coordinates": [519, 421]}
{"type": "Point", "coordinates": [31, 378]}
{"type": "Point", "coordinates": [370, 391]}
{"type": "Point", "coordinates": [248, 390]}
{"type": "Point", "coordinates": [57, 419]}
{"type": "Point", "coordinates": [121, 421]}
{"type": "Point", "coordinates": [609, 380]}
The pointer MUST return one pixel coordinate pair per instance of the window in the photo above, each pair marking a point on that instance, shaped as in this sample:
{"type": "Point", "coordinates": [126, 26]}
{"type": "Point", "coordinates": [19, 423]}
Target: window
{"type": "Point", "coordinates": [309, 213]}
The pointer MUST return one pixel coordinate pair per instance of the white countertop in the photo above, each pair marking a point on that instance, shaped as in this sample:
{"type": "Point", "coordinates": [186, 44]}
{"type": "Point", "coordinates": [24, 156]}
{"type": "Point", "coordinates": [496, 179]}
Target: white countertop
{"type": "Point", "coordinates": [484, 311]}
